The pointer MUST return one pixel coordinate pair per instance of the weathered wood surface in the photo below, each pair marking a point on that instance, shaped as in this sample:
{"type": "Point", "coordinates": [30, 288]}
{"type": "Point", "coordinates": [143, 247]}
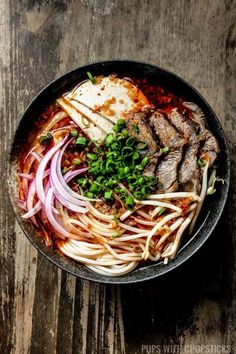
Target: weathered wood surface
{"type": "Point", "coordinates": [44, 310]}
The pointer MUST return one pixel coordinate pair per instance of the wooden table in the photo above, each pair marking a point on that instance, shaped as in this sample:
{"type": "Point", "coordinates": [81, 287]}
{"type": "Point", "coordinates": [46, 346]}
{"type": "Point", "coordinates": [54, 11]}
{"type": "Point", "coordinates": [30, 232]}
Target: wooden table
{"type": "Point", "coordinates": [45, 310]}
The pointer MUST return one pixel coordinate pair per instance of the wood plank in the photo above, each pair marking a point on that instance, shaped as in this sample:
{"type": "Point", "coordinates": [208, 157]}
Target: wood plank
{"type": "Point", "coordinates": [25, 272]}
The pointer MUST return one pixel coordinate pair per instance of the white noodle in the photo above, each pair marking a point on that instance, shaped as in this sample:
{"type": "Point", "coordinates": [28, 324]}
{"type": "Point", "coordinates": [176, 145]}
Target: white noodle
{"type": "Point", "coordinates": [143, 214]}
{"type": "Point", "coordinates": [113, 271]}
{"type": "Point", "coordinates": [172, 228]}
{"type": "Point", "coordinates": [128, 213]}
{"type": "Point", "coordinates": [98, 214]}
{"type": "Point", "coordinates": [175, 195]}
{"type": "Point", "coordinates": [155, 211]}
{"type": "Point", "coordinates": [156, 203]}
{"type": "Point", "coordinates": [175, 245]}
{"type": "Point", "coordinates": [154, 230]}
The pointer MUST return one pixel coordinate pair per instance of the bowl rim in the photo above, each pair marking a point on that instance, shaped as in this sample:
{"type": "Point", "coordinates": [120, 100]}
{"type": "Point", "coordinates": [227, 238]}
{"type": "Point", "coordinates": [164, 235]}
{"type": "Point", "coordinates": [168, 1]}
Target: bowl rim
{"type": "Point", "coordinates": [102, 278]}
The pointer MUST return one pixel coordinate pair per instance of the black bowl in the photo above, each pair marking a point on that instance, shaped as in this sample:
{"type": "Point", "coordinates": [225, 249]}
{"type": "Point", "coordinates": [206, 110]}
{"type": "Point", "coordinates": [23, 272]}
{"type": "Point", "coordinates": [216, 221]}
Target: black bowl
{"type": "Point", "coordinates": [213, 205]}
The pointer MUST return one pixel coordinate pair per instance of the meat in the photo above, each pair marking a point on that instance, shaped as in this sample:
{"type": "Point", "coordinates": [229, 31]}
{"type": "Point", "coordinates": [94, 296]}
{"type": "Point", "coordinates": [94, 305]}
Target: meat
{"type": "Point", "coordinates": [166, 132]}
{"type": "Point", "coordinates": [167, 171]}
{"type": "Point", "coordinates": [138, 127]}
{"type": "Point", "coordinates": [185, 126]}
{"type": "Point", "coordinates": [210, 146]}
{"type": "Point", "coordinates": [187, 138]}
{"type": "Point", "coordinates": [189, 172]}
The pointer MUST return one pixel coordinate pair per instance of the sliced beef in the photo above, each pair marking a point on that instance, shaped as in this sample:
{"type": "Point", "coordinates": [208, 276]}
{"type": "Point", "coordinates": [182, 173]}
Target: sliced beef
{"type": "Point", "coordinates": [210, 146]}
{"type": "Point", "coordinates": [166, 132]}
{"type": "Point", "coordinates": [167, 171]}
{"type": "Point", "coordinates": [138, 127]}
{"type": "Point", "coordinates": [189, 173]}
{"type": "Point", "coordinates": [188, 128]}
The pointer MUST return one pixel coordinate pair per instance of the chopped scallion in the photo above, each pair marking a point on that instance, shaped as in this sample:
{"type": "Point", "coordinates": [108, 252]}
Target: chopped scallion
{"type": "Point", "coordinates": [81, 141]}
{"type": "Point", "coordinates": [91, 78]}
{"type": "Point", "coordinates": [74, 133]}
{"type": "Point", "coordinates": [164, 150]}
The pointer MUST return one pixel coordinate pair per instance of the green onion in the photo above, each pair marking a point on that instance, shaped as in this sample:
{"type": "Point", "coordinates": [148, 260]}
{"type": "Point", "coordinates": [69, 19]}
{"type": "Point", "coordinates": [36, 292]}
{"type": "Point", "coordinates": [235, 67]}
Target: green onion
{"type": "Point", "coordinates": [116, 217]}
{"type": "Point", "coordinates": [125, 133]}
{"type": "Point", "coordinates": [121, 172]}
{"type": "Point", "coordinates": [74, 133]}
{"type": "Point", "coordinates": [121, 122]}
{"type": "Point", "coordinates": [135, 155]}
{"type": "Point", "coordinates": [129, 202]}
{"type": "Point", "coordinates": [201, 162]}
{"type": "Point", "coordinates": [85, 122]}
{"type": "Point", "coordinates": [126, 170]}
{"type": "Point", "coordinates": [162, 211]}
{"type": "Point", "coordinates": [145, 161]}
{"type": "Point", "coordinates": [138, 194]}
{"type": "Point", "coordinates": [91, 78]}
{"type": "Point", "coordinates": [164, 150]}
{"type": "Point", "coordinates": [94, 188]}
{"type": "Point", "coordinates": [92, 156]}
{"type": "Point", "coordinates": [141, 180]}
{"type": "Point", "coordinates": [127, 151]}
{"type": "Point", "coordinates": [108, 195]}
{"type": "Point", "coordinates": [151, 181]}
{"type": "Point", "coordinates": [130, 141]}
{"type": "Point", "coordinates": [44, 139]}
{"type": "Point", "coordinates": [110, 165]}
{"type": "Point", "coordinates": [82, 182]}
{"type": "Point", "coordinates": [81, 141]}
{"type": "Point", "coordinates": [109, 139]}
{"type": "Point", "coordinates": [116, 145]}
{"type": "Point", "coordinates": [77, 161]}
{"type": "Point", "coordinates": [119, 125]}
{"type": "Point", "coordinates": [100, 179]}
{"type": "Point", "coordinates": [89, 194]}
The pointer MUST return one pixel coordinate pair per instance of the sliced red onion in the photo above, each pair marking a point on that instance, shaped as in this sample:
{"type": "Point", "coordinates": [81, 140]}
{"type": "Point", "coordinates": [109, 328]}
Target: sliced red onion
{"type": "Point", "coordinates": [32, 210]}
{"type": "Point", "coordinates": [49, 199]}
{"type": "Point", "coordinates": [71, 174]}
{"type": "Point", "coordinates": [62, 181]}
{"type": "Point", "coordinates": [57, 183]}
{"type": "Point", "coordinates": [41, 169]}
{"type": "Point", "coordinates": [68, 204]}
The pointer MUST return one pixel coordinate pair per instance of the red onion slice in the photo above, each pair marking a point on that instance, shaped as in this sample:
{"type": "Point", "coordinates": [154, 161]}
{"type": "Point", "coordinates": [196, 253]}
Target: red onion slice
{"type": "Point", "coordinates": [49, 199]}
{"type": "Point", "coordinates": [57, 183]}
{"type": "Point", "coordinates": [41, 169]}
{"type": "Point", "coordinates": [69, 205]}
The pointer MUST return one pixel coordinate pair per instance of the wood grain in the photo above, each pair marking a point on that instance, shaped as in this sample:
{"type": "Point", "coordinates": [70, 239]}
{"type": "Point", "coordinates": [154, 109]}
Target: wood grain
{"type": "Point", "coordinates": [44, 310]}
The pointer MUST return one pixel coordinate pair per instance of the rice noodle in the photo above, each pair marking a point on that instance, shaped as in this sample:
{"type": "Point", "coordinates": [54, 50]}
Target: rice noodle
{"type": "Point", "coordinates": [156, 203]}
{"type": "Point", "coordinates": [154, 230]}
{"type": "Point", "coordinates": [175, 195]}
{"type": "Point", "coordinates": [175, 246]}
